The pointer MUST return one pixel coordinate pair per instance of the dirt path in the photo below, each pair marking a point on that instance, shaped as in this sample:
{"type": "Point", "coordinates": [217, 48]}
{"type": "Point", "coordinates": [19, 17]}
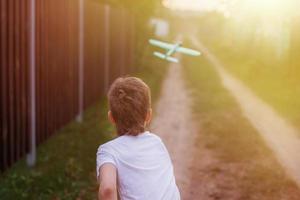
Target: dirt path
{"type": "Point", "coordinates": [174, 124]}
{"type": "Point", "coordinates": [280, 136]}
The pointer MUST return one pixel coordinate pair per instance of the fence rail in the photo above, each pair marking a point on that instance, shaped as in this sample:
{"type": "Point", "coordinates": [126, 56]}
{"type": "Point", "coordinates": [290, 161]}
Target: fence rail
{"type": "Point", "coordinates": [107, 53]}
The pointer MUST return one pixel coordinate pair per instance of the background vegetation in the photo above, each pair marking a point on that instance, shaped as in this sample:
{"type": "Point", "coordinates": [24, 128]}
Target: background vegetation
{"type": "Point", "coordinates": [262, 48]}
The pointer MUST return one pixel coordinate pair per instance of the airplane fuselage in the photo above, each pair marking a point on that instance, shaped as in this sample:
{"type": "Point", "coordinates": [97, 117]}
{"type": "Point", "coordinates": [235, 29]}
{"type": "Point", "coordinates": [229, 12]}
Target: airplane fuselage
{"type": "Point", "coordinates": [173, 50]}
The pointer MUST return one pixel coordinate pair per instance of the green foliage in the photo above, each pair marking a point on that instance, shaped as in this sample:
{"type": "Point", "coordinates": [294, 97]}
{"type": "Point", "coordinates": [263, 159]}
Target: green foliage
{"type": "Point", "coordinates": [269, 65]}
{"type": "Point", "coordinates": [66, 163]}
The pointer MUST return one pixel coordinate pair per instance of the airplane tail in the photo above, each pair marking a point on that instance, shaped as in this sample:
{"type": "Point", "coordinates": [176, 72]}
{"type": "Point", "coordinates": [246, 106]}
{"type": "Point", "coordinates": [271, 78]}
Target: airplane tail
{"type": "Point", "coordinates": [164, 57]}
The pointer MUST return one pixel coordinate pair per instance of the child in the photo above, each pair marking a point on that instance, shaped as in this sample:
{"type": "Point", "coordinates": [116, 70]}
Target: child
{"type": "Point", "coordinates": [135, 165]}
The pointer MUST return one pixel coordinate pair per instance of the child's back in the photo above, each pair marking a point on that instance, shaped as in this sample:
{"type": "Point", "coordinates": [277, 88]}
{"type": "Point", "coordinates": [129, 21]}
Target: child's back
{"type": "Point", "coordinates": [136, 165]}
{"type": "Point", "coordinates": [143, 166]}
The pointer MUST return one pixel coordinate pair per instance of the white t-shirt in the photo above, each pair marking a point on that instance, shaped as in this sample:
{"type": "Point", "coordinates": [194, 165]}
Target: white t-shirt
{"type": "Point", "coordinates": [144, 167]}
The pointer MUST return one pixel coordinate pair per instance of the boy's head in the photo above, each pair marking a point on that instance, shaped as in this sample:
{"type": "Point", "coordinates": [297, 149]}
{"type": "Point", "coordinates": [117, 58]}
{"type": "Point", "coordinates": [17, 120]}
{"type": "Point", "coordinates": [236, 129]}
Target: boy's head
{"type": "Point", "coordinates": [129, 101]}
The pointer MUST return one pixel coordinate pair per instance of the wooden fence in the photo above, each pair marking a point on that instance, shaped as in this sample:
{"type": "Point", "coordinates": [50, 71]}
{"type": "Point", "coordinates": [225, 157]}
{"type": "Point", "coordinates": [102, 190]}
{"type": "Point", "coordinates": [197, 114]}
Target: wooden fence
{"type": "Point", "coordinates": [107, 53]}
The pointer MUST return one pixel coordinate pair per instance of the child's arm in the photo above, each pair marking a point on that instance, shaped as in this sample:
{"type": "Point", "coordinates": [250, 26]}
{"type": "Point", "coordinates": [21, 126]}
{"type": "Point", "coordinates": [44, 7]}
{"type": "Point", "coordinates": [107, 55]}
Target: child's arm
{"type": "Point", "coordinates": [108, 182]}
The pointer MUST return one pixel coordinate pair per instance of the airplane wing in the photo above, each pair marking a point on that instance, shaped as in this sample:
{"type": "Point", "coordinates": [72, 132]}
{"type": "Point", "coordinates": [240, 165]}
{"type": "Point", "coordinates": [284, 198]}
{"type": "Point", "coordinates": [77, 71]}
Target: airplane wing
{"type": "Point", "coordinates": [164, 57]}
{"type": "Point", "coordinates": [188, 51]}
{"type": "Point", "coordinates": [160, 44]}
{"type": "Point", "coordinates": [160, 55]}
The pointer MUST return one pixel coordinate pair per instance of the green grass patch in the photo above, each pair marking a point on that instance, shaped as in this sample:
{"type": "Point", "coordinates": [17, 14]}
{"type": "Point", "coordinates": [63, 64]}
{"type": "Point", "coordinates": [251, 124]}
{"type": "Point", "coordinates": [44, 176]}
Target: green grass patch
{"type": "Point", "coordinates": [272, 81]}
{"type": "Point", "coordinates": [257, 174]}
{"type": "Point", "coordinates": [65, 166]}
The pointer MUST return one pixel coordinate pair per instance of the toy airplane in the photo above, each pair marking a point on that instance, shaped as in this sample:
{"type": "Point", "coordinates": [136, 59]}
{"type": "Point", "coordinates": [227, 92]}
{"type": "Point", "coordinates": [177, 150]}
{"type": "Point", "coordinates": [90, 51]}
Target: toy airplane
{"type": "Point", "coordinates": [171, 48]}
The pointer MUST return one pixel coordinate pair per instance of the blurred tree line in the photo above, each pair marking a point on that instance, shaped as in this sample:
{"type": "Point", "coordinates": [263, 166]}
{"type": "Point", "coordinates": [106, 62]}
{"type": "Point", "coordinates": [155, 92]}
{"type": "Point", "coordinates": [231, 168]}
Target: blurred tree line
{"type": "Point", "coordinates": [273, 45]}
{"type": "Point", "coordinates": [260, 48]}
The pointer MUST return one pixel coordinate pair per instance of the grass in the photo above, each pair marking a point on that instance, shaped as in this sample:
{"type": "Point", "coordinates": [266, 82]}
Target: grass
{"type": "Point", "coordinates": [271, 81]}
{"type": "Point", "coordinates": [257, 174]}
{"type": "Point", "coordinates": [66, 163]}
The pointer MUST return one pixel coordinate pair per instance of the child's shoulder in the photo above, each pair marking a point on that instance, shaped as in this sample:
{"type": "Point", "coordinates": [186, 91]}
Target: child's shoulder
{"type": "Point", "coordinates": [109, 144]}
{"type": "Point", "coordinates": [126, 138]}
{"type": "Point", "coordinates": [153, 135]}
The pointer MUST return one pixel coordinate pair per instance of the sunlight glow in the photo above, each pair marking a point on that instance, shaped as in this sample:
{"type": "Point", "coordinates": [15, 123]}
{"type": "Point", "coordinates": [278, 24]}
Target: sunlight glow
{"type": "Point", "coordinates": [268, 20]}
{"type": "Point", "coordinates": [260, 7]}
{"type": "Point", "coordinates": [265, 20]}
{"type": "Point", "coordinates": [269, 8]}
{"type": "Point", "coordinates": [191, 5]}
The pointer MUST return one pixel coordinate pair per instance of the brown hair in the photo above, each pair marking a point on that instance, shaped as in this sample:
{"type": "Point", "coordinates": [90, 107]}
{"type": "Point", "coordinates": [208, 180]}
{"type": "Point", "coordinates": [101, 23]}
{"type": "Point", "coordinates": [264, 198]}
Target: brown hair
{"type": "Point", "coordinates": [129, 100]}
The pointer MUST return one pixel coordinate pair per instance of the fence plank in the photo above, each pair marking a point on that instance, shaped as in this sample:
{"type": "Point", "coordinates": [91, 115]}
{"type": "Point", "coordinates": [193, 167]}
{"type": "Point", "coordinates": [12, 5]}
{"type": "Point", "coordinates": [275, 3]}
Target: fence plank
{"type": "Point", "coordinates": [4, 94]}
{"type": "Point", "coordinates": [24, 65]}
{"type": "Point", "coordinates": [57, 61]}
{"type": "Point", "coordinates": [11, 69]}
{"type": "Point", "coordinates": [17, 79]}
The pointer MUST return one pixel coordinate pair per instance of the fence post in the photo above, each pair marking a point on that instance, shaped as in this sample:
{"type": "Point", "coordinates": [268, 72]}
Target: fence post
{"type": "Point", "coordinates": [31, 156]}
{"type": "Point", "coordinates": [123, 42]}
{"type": "Point", "coordinates": [132, 44]}
{"type": "Point", "coordinates": [107, 46]}
{"type": "Point", "coordinates": [81, 62]}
